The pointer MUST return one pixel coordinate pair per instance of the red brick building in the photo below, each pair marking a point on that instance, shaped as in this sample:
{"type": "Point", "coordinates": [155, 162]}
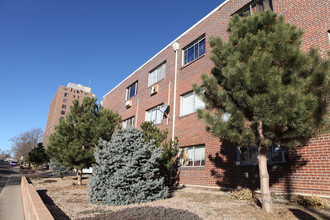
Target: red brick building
{"type": "Point", "coordinates": [168, 76]}
{"type": "Point", "coordinates": [60, 105]}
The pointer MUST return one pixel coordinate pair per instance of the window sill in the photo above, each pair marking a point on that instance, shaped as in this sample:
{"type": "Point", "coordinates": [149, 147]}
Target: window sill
{"type": "Point", "coordinates": [191, 168]}
{"type": "Point", "coordinates": [187, 64]}
{"type": "Point", "coordinates": [187, 115]}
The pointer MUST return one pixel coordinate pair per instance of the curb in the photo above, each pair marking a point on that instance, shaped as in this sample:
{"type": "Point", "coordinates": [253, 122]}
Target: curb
{"type": "Point", "coordinates": [34, 208]}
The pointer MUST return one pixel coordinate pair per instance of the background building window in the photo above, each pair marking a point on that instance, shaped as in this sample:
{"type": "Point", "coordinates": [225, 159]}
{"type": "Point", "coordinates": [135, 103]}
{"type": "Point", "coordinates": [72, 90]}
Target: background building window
{"type": "Point", "coordinates": [131, 90]}
{"type": "Point", "coordinates": [190, 103]}
{"type": "Point", "coordinates": [192, 156]}
{"type": "Point", "coordinates": [157, 74]}
{"type": "Point", "coordinates": [64, 106]}
{"type": "Point", "coordinates": [66, 95]}
{"type": "Point", "coordinates": [155, 115]}
{"type": "Point", "coordinates": [65, 100]}
{"type": "Point", "coordinates": [128, 122]}
{"type": "Point", "coordinates": [62, 112]}
{"type": "Point", "coordinates": [194, 51]}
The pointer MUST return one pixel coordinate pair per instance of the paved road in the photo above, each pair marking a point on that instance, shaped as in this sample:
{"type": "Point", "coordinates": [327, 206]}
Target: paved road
{"type": "Point", "coordinates": [11, 207]}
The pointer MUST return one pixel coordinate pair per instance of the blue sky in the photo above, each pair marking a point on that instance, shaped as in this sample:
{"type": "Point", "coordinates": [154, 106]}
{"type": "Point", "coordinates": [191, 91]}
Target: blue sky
{"type": "Point", "coordinates": [45, 44]}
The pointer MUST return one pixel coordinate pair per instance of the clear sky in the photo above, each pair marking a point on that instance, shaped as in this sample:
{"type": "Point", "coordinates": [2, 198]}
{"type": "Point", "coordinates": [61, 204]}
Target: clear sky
{"type": "Point", "coordinates": [48, 43]}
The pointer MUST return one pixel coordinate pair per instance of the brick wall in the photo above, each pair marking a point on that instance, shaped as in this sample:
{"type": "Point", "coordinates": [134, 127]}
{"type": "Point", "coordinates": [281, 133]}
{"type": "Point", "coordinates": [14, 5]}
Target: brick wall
{"type": "Point", "coordinates": [311, 175]}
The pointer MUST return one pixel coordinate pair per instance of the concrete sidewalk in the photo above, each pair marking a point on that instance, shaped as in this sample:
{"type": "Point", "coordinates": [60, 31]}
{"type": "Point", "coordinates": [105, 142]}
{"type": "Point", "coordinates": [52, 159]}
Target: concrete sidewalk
{"type": "Point", "coordinates": [11, 206]}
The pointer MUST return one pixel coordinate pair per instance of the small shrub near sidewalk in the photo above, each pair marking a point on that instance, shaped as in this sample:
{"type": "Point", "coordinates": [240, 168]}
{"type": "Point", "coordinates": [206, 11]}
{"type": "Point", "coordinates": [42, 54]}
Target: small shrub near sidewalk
{"type": "Point", "coordinates": [242, 194]}
{"type": "Point", "coordinates": [309, 201]}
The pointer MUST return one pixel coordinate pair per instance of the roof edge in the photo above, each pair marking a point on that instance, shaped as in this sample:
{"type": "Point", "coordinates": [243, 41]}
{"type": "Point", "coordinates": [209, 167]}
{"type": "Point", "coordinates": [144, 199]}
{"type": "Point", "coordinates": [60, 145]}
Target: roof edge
{"type": "Point", "coordinates": [184, 33]}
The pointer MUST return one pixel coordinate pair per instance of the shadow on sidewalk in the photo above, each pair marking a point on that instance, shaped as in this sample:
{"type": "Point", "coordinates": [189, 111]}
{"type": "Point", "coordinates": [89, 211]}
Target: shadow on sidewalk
{"type": "Point", "coordinates": [56, 212]}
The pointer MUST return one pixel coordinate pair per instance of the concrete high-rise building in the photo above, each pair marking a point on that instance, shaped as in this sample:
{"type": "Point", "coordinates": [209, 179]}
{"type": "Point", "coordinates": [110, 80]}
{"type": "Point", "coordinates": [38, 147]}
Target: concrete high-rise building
{"type": "Point", "coordinates": [61, 103]}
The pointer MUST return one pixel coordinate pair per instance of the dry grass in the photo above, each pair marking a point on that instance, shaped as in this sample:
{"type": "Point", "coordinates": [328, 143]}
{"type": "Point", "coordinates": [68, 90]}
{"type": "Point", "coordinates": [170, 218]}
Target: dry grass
{"type": "Point", "coordinates": [66, 201]}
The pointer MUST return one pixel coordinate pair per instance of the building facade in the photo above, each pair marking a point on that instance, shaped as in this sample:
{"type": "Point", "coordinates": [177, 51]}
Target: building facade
{"type": "Point", "coordinates": [60, 105]}
{"type": "Point", "coordinates": [164, 84]}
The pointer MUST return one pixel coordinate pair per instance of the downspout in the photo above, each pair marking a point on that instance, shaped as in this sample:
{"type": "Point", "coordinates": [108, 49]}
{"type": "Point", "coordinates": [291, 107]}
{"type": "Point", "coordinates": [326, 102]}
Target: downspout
{"type": "Point", "coordinates": [175, 48]}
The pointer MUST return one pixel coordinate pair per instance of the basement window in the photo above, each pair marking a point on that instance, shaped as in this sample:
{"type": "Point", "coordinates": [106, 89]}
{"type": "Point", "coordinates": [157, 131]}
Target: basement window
{"type": "Point", "coordinates": [192, 156]}
{"type": "Point", "coordinates": [249, 155]}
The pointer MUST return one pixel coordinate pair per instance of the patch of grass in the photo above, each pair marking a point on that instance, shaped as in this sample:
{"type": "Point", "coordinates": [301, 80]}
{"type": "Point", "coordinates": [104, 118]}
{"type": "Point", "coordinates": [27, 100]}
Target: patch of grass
{"type": "Point", "coordinates": [204, 197]}
{"type": "Point", "coordinates": [242, 194]}
{"type": "Point", "coordinates": [94, 211]}
{"type": "Point", "coordinates": [309, 201]}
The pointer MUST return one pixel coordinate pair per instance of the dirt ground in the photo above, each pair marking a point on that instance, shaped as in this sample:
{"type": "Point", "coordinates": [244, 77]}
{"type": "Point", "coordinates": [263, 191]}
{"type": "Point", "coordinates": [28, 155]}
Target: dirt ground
{"type": "Point", "coordinates": [66, 200]}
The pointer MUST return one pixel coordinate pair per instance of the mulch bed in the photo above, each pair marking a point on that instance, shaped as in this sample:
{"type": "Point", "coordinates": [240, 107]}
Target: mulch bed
{"type": "Point", "coordinates": [147, 213]}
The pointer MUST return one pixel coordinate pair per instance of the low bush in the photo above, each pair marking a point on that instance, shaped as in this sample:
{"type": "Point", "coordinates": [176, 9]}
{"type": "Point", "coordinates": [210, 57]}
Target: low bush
{"type": "Point", "coordinates": [309, 201]}
{"type": "Point", "coordinates": [242, 194]}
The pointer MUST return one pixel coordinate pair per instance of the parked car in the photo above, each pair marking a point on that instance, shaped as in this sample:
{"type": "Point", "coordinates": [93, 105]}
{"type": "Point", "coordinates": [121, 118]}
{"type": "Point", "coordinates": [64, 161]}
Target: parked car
{"type": "Point", "coordinates": [13, 163]}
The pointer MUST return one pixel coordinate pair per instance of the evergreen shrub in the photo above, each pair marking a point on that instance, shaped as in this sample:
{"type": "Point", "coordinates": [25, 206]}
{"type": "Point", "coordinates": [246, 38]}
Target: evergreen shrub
{"type": "Point", "coordinates": [126, 170]}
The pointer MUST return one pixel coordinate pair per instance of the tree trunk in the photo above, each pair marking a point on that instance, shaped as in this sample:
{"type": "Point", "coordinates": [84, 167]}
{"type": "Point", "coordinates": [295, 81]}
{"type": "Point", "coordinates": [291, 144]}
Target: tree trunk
{"type": "Point", "coordinates": [79, 177]}
{"type": "Point", "coordinates": [267, 203]}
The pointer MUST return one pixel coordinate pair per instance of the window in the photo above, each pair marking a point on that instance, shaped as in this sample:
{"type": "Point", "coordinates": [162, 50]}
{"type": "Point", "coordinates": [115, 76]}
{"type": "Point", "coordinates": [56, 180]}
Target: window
{"type": "Point", "coordinates": [62, 112]}
{"type": "Point", "coordinates": [157, 74]}
{"type": "Point", "coordinates": [61, 118]}
{"type": "Point", "coordinates": [131, 90]}
{"type": "Point", "coordinates": [193, 156]}
{"type": "Point", "coordinates": [66, 89]}
{"type": "Point", "coordinates": [155, 115]}
{"type": "Point", "coordinates": [65, 100]}
{"type": "Point", "coordinates": [64, 106]}
{"type": "Point", "coordinates": [249, 155]}
{"type": "Point", "coordinates": [256, 6]}
{"type": "Point", "coordinates": [66, 95]}
{"type": "Point", "coordinates": [74, 96]}
{"type": "Point", "coordinates": [190, 103]}
{"type": "Point", "coordinates": [128, 122]}
{"type": "Point", "coordinates": [194, 51]}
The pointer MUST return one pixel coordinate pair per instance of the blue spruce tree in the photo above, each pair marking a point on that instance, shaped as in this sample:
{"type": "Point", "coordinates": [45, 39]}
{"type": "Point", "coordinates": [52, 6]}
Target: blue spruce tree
{"type": "Point", "coordinates": [126, 170]}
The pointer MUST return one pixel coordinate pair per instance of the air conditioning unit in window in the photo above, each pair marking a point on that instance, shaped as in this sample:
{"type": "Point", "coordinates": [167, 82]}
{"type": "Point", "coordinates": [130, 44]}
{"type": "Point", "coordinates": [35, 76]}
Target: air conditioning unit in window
{"type": "Point", "coordinates": [154, 89]}
{"type": "Point", "coordinates": [128, 103]}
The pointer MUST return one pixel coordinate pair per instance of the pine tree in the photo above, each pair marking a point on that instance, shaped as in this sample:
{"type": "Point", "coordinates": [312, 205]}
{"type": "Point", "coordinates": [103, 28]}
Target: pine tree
{"type": "Point", "coordinates": [126, 170]}
{"type": "Point", "coordinates": [76, 136]}
{"type": "Point", "coordinates": [168, 161]}
{"type": "Point", "coordinates": [57, 168]}
{"type": "Point", "coordinates": [37, 155]}
{"type": "Point", "coordinates": [272, 91]}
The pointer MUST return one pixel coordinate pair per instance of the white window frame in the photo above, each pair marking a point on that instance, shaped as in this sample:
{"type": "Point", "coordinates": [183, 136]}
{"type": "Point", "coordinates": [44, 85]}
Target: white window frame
{"type": "Point", "coordinates": [128, 90]}
{"type": "Point", "coordinates": [186, 163]}
{"type": "Point", "coordinates": [195, 101]}
{"type": "Point", "coordinates": [129, 122]}
{"type": "Point", "coordinates": [157, 112]}
{"type": "Point", "coordinates": [156, 74]}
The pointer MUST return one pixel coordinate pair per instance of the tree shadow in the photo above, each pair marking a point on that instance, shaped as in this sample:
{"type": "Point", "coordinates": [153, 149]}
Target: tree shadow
{"type": "Point", "coordinates": [230, 175]}
{"type": "Point", "coordinates": [56, 212]}
{"type": "Point", "coordinates": [302, 215]}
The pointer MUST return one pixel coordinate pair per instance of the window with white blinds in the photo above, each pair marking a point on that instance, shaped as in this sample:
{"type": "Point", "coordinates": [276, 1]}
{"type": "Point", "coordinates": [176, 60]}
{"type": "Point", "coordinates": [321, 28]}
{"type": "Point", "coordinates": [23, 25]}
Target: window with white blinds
{"type": "Point", "coordinates": [157, 74]}
{"type": "Point", "coordinates": [155, 115]}
{"type": "Point", "coordinates": [190, 103]}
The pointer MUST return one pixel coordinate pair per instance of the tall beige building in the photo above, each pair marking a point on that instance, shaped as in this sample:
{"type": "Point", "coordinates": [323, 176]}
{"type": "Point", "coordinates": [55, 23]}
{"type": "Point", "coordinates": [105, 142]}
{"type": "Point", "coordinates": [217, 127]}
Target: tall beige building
{"type": "Point", "coordinates": [61, 103]}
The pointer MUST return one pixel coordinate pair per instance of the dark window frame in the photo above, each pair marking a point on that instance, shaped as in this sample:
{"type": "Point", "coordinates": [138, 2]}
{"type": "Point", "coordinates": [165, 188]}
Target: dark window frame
{"type": "Point", "coordinates": [189, 51]}
{"type": "Point", "coordinates": [255, 6]}
{"type": "Point", "coordinates": [129, 93]}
